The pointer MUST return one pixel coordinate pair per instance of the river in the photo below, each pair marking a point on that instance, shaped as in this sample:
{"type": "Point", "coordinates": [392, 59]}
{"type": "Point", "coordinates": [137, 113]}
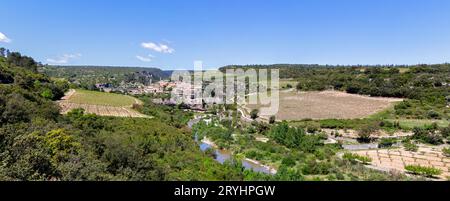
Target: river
{"type": "Point", "coordinates": [222, 155]}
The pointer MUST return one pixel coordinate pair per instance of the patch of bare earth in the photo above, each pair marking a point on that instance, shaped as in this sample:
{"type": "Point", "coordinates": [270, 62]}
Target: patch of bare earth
{"type": "Point", "coordinates": [328, 105]}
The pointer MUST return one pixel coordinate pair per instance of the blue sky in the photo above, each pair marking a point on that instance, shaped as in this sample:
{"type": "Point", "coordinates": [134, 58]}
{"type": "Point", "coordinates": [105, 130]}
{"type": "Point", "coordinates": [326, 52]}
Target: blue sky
{"type": "Point", "coordinates": [171, 34]}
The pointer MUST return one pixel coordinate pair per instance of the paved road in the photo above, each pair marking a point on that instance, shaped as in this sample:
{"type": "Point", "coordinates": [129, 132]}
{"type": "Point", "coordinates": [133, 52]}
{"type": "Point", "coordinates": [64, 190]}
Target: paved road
{"type": "Point", "coordinates": [355, 147]}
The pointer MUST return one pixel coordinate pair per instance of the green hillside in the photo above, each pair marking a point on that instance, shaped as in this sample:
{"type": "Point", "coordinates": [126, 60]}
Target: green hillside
{"type": "Point", "coordinates": [37, 143]}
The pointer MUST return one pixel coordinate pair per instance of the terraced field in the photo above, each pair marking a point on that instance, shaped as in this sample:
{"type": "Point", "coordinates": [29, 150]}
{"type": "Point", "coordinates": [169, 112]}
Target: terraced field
{"type": "Point", "coordinates": [397, 159]}
{"type": "Point", "coordinates": [99, 103]}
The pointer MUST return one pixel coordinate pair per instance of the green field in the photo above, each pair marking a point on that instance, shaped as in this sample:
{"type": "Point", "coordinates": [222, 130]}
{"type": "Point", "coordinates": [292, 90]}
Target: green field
{"type": "Point", "coordinates": [411, 123]}
{"type": "Point", "coordinates": [101, 98]}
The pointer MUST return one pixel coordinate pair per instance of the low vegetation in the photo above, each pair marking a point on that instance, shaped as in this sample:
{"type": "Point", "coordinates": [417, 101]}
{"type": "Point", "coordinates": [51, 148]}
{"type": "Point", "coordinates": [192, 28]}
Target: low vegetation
{"type": "Point", "coordinates": [423, 171]}
{"type": "Point", "coordinates": [357, 158]}
{"type": "Point", "coordinates": [410, 146]}
{"type": "Point", "coordinates": [446, 152]}
{"type": "Point", "coordinates": [387, 142]}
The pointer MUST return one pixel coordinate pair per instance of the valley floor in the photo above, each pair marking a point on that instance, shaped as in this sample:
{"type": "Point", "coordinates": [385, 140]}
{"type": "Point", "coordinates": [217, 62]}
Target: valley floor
{"type": "Point", "coordinates": [327, 105]}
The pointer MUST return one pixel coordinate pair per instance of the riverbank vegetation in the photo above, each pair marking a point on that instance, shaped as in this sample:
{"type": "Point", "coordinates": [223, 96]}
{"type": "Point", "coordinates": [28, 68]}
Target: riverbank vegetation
{"type": "Point", "coordinates": [296, 153]}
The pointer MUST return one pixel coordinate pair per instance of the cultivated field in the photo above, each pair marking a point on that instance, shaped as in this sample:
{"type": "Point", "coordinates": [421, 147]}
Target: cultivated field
{"type": "Point", "coordinates": [327, 105]}
{"type": "Point", "coordinates": [100, 98]}
{"type": "Point", "coordinates": [397, 159]}
{"type": "Point", "coordinates": [102, 104]}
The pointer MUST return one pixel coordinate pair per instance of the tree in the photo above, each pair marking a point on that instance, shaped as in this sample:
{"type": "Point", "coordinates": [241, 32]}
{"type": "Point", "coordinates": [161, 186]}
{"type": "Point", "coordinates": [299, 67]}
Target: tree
{"type": "Point", "coordinates": [427, 136]}
{"type": "Point", "coordinates": [433, 114]}
{"type": "Point", "coordinates": [254, 114]}
{"type": "Point", "coordinates": [2, 52]}
{"type": "Point", "coordinates": [17, 60]}
{"type": "Point", "coordinates": [299, 86]}
{"type": "Point", "coordinates": [47, 93]}
{"type": "Point", "coordinates": [272, 119]}
{"type": "Point", "coordinates": [365, 133]}
{"type": "Point", "coordinates": [288, 161]}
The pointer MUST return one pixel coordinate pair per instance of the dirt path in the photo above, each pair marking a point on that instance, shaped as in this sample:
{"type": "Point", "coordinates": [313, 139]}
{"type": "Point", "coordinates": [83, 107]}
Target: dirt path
{"type": "Point", "coordinates": [248, 119]}
{"type": "Point", "coordinates": [68, 94]}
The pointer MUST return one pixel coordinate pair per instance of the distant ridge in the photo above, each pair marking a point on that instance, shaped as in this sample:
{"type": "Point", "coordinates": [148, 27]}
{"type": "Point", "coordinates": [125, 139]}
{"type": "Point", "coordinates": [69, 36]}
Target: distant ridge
{"type": "Point", "coordinates": [57, 70]}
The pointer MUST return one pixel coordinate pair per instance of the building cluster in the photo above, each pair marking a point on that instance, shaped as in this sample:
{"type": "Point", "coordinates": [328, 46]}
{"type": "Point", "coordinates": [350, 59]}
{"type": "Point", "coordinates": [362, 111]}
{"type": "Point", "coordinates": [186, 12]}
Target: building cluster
{"type": "Point", "coordinates": [181, 92]}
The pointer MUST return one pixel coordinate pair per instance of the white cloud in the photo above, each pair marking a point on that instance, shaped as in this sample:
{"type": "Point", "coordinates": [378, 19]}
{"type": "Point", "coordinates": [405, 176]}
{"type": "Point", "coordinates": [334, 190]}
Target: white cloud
{"type": "Point", "coordinates": [148, 58]}
{"type": "Point", "coordinates": [64, 59]}
{"type": "Point", "coordinates": [162, 48]}
{"type": "Point", "coordinates": [3, 38]}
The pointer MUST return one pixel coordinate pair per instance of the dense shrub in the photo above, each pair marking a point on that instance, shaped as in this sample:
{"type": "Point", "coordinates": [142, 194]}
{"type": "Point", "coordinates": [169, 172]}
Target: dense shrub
{"type": "Point", "coordinates": [288, 161]}
{"type": "Point", "coordinates": [254, 114]}
{"type": "Point", "coordinates": [272, 119]}
{"type": "Point", "coordinates": [445, 132]}
{"type": "Point", "coordinates": [428, 136]}
{"type": "Point", "coordinates": [365, 133]}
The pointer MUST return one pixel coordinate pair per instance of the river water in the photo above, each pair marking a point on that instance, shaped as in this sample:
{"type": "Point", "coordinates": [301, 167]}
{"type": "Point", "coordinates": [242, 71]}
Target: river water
{"type": "Point", "coordinates": [223, 155]}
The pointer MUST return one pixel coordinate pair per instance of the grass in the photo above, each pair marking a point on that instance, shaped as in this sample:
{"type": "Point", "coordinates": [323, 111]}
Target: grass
{"type": "Point", "coordinates": [422, 170]}
{"type": "Point", "coordinates": [101, 98]}
{"type": "Point", "coordinates": [357, 158]}
{"type": "Point", "coordinates": [406, 124]}
{"type": "Point", "coordinates": [411, 123]}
